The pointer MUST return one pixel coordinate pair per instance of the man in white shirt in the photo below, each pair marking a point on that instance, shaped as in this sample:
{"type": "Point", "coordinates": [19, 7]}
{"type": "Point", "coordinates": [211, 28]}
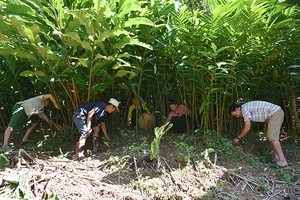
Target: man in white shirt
{"type": "Point", "coordinates": [23, 112]}
{"type": "Point", "coordinates": [261, 111]}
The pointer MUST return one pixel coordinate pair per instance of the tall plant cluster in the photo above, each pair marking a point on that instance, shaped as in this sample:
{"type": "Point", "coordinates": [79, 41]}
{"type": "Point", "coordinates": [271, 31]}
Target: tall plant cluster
{"type": "Point", "coordinates": [205, 54]}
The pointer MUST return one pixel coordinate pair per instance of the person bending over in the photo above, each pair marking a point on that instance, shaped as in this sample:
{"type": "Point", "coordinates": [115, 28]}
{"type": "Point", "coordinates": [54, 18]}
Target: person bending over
{"type": "Point", "coordinates": [261, 111]}
{"type": "Point", "coordinates": [25, 112]}
{"type": "Point", "coordinates": [88, 118]}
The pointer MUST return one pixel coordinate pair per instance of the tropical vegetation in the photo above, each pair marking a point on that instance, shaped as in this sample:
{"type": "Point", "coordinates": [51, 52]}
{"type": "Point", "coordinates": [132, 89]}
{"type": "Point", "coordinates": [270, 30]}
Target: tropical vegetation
{"type": "Point", "coordinates": [206, 54]}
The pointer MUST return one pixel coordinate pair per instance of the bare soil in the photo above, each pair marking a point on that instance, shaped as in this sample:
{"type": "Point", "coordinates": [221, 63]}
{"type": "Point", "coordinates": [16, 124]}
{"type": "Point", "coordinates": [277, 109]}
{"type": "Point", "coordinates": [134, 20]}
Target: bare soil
{"type": "Point", "coordinates": [46, 169]}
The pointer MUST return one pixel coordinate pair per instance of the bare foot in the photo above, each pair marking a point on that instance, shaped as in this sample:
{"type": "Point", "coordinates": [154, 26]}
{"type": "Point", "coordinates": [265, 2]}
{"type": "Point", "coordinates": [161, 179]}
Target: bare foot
{"type": "Point", "coordinates": [282, 164]}
{"type": "Point", "coordinates": [26, 141]}
{"type": "Point", "coordinates": [6, 147]}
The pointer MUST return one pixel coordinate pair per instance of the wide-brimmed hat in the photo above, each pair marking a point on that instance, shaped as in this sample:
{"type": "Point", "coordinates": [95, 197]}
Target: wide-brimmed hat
{"type": "Point", "coordinates": [115, 103]}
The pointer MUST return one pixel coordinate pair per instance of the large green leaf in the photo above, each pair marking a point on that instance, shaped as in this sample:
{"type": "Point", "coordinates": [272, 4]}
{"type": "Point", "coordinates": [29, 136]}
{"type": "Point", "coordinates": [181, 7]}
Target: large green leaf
{"type": "Point", "coordinates": [128, 73]}
{"type": "Point", "coordinates": [32, 34]}
{"type": "Point", "coordinates": [137, 21]}
{"type": "Point", "coordinates": [74, 36]}
{"type": "Point", "coordinates": [3, 160]}
{"type": "Point", "coordinates": [130, 41]}
{"type": "Point", "coordinates": [84, 19]}
{"type": "Point", "coordinates": [154, 149]}
{"type": "Point", "coordinates": [29, 73]}
{"type": "Point", "coordinates": [79, 78]}
{"type": "Point", "coordinates": [18, 9]}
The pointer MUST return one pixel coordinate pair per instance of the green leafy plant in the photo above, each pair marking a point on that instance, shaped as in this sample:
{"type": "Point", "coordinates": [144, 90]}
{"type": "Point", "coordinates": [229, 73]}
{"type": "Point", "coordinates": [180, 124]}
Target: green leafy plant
{"type": "Point", "coordinates": [288, 178]}
{"type": "Point", "coordinates": [64, 155]}
{"type": "Point", "coordinates": [105, 141]}
{"type": "Point", "coordinates": [159, 132]}
{"type": "Point", "coordinates": [264, 188]}
{"type": "Point", "coordinates": [137, 147]}
{"type": "Point", "coordinates": [186, 150]}
{"type": "Point", "coordinates": [3, 160]}
{"type": "Point", "coordinates": [127, 133]}
{"type": "Point", "coordinates": [218, 145]}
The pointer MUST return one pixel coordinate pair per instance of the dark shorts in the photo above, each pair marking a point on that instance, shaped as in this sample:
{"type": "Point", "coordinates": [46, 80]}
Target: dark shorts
{"type": "Point", "coordinates": [80, 122]}
{"type": "Point", "coordinates": [179, 124]}
{"type": "Point", "coordinates": [19, 118]}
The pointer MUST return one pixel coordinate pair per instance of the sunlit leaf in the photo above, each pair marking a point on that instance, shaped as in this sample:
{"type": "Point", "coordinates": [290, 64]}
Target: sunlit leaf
{"type": "Point", "coordinates": [122, 73]}
{"type": "Point", "coordinates": [28, 73]}
{"type": "Point", "coordinates": [138, 21]}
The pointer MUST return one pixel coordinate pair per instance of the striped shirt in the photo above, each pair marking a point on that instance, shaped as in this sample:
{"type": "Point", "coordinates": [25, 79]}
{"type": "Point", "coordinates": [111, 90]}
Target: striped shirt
{"type": "Point", "coordinates": [258, 111]}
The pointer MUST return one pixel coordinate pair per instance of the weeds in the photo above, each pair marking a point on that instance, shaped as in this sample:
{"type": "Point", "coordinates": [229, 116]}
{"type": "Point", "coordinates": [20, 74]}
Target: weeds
{"type": "Point", "coordinates": [264, 188]}
{"type": "Point", "coordinates": [64, 155]}
{"type": "Point", "coordinates": [220, 146]}
{"type": "Point", "coordinates": [136, 147]}
{"type": "Point", "coordinates": [186, 150]}
{"type": "Point", "coordinates": [127, 133]}
{"type": "Point", "coordinates": [289, 179]}
{"type": "Point", "coordinates": [117, 163]}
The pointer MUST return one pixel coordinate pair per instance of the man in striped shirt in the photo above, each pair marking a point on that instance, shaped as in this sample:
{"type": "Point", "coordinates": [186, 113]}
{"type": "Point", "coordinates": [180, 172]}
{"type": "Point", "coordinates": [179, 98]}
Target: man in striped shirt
{"type": "Point", "coordinates": [261, 111]}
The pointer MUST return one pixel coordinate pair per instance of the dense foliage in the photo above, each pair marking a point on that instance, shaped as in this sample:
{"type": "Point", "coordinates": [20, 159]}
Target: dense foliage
{"type": "Point", "coordinates": [206, 54]}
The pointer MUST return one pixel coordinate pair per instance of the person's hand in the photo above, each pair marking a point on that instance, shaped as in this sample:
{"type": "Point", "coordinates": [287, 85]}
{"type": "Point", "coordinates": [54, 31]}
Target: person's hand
{"type": "Point", "coordinates": [236, 141]}
{"type": "Point", "coordinates": [106, 138]}
{"type": "Point", "coordinates": [128, 123]}
{"type": "Point", "coordinates": [57, 107]}
{"type": "Point", "coordinates": [89, 131]}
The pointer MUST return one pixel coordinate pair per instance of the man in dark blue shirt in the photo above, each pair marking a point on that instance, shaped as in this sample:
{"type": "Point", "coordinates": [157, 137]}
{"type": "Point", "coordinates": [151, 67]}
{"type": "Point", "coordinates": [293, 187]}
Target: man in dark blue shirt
{"type": "Point", "coordinates": [87, 120]}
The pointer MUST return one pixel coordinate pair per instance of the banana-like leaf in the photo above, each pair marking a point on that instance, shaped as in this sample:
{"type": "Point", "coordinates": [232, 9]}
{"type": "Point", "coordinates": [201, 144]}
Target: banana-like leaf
{"type": "Point", "coordinates": [131, 41]}
{"type": "Point", "coordinates": [115, 32]}
{"type": "Point", "coordinates": [128, 73]}
{"type": "Point", "coordinates": [18, 25]}
{"type": "Point", "coordinates": [83, 61]}
{"type": "Point", "coordinates": [137, 21]}
{"type": "Point", "coordinates": [128, 6]}
{"type": "Point", "coordinates": [154, 149]}
{"type": "Point", "coordinates": [74, 36]}
{"type": "Point", "coordinates": [32, 34]}
{"type": "Point", "coordinates": [67, 74]}
{"type": "Point", "coordinates": [100, 87]}
{"type": "Point", "coordinates": [28, 73]}
{"type": "Point", "coordinates": [3, 160]}
{"type": "Point", "coordinates": [84, 20]}
{"type": "Point", "coordinates": [18, 9]}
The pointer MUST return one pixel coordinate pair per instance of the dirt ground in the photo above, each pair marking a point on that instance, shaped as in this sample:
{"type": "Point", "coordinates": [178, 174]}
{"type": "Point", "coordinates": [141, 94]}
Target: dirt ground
{"type": "Point", "coordinates": [46, 169]}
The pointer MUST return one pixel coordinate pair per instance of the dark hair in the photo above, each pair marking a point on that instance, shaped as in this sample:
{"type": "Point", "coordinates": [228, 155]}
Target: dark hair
{"type": "Point", "coordinates": [233, 107]}
{"type": "Point", "coordinates": [172, 101]}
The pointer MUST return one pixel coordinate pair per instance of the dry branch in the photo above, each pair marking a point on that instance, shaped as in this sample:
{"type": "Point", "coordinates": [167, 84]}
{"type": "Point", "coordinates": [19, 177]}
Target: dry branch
{"type": "Point", "coordinates": [245, 179]}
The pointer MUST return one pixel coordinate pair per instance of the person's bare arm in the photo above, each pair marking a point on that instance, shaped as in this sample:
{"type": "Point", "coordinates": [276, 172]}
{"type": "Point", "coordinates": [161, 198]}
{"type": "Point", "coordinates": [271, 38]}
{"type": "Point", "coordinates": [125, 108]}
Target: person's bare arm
{"type": "Point", "coordinates": [89, 120]}
{"type": "Point", "coordinates": [187, 111]}
{"type": "Point", "coordinates": [52, 123]}
{"type": "Point", "coordinates": [50, 96]}
{"type": "Point", "coordinates": [244, 132]}
{"type": "Point", "coordinates": [103, 127]}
